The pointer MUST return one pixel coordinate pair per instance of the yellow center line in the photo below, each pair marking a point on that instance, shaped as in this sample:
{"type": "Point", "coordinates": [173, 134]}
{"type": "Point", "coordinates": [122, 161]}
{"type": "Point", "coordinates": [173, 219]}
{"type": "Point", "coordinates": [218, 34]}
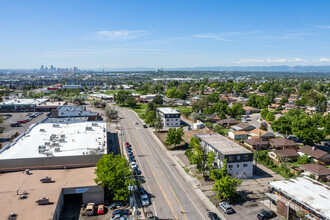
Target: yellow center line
{"type": "Point", "coordinates": [168, 202]}
{"type": "Point", "coordinates": [184, 214]}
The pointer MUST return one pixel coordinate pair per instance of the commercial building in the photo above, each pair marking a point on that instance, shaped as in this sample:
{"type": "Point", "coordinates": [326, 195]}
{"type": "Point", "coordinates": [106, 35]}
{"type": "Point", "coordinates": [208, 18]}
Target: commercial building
{"type": "Point", "coordinates": [70, 111]}
{"type": "Point", "coordinates": [56, 145]}
{"type": "Point", "coordinates": [239, 159]}
{"type": "Point", "coordinates": [49, 105]}
{"type": "Point", "coordinates": [69, 188]}
{"type": "Point", "coordinates": [170, 117]}
{"type": "Point", "coordinates": [100, 97]}
{"type": "Point", "coordinates": [301, 194]}
{"type": "Point", "coordinates": [21, 105]}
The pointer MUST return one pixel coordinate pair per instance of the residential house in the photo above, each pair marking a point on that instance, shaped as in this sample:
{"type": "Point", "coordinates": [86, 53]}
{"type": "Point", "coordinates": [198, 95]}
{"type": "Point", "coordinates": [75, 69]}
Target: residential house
{"type": "Point", "coordinates": [250, 110]}
{"type": "Point", "coordinates": [315, 153]}
{"type": "Point", "coordinates": [283, 155]}
{"type": "Point", "coordinates": [265, 135]}
{"type": "Point", "coordinates": [291, 106]}
{"type": "Point", "coordinates": [239, 159]}
{"type": "Point", "coordinates": [242, 127]}
{"type": "Point", "coordinates": [238, 135]}
{"type": "Point", "coordinates": [274, 106]}
{"type": "Point", "coordinates": [256, 144]}
{"type": "Point", "coordinates": [320, 172]}
{"type": "Point", "coordinates": [227, 122]}
{"type": "Point", "coordinates": [282, 143]}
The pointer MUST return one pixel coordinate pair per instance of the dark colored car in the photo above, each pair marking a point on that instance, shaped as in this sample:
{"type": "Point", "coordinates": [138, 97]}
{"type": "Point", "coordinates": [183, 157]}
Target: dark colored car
{"type": "Point", "coordinates": [145, 126]}
{"type": "Point", "coordinates": [118, 204]}
{"type": "Point", "coordinates": [213, 216]}
{"type": "Point", "coordinates": [121, 212]}
{"type": "Point", "coordinates": [131, 159]}
{"type": "Point", "coordinates": [266, 215]}
{"type": "Point", "coordinates": [8, 115]}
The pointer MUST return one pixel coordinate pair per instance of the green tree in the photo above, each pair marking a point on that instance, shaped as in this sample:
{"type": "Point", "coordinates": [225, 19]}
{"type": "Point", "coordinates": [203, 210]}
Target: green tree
{"type": "Point", "coordinates": [264, 113]}
{"type": "Point", "coordinates": [113, 174]}
{"type": "Point", "coordinates": [282, 125]}
{"type": "Point", "coordinates": [222, 115]}
{"type": "Point", "coordinates": [210, 160]}
{"type": "Point", "coordinates": [158, 123]}
{"type": "Point", "coordinates": [304, 129]}
{"type": "Point", "coordinates": [219, 129]}
{"type": "Point", "coordinates": [174, 136]}
{"type": "Point", "coordinates": [131, 101]}
{"type": "Point", "coordinates": [150, 118]}
{"type": "Point", "coordinates": [216, 174]}
{"type": "Point", "coordinates": [305, 159]}
{"type": "Point", "coordinates": [270, 116]}
{"type": "Point", "coordinates": [226, 187]}
{"type": "Point", "coordinates": [110, 113]}
{"type": "Point", "coordinates": [121, 96]}
{"type": "Point", "coordinates": [158, 99]}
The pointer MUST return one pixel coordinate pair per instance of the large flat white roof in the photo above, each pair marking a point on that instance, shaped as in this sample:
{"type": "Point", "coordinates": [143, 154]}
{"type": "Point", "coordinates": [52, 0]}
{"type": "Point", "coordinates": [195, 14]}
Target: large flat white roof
{"type": "Point", "coordinates": [222, 144]}
{"type": "Point", "coordinates": [307, 191]}
{"type": "Point", "coordinates": [24, 102]}
{"type": "Point", "coordinates": [168, 110]}
{"type": "Point", "coordinates": [60, 140]}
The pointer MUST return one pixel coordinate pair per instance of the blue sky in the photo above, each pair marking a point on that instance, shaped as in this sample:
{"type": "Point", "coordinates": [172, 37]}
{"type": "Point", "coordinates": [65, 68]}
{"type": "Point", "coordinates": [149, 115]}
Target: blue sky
{"type": "Point", "coordinates": [163, 33]}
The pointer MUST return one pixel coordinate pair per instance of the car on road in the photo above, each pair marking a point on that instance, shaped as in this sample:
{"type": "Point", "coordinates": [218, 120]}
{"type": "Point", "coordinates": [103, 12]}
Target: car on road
{"type": "Point", "coordinates": [100, 209]}
{"type": "Point", "coordinates": [266, 215]}
{"type": "Point", "coordinates": [117, 205]}
{"type": "Point", "coordinates": [145, 126]}
{"type": "Point", "coordinates": [145, 200]}
{"type": "Point", "coordinates": [129, 150]}
{"type": "Point", "coordinates": [226, 207]}
{"type": "Point", "coordinates": [136, 123]}
{"type": "Point", "coordinates": [131, 159]}
{"type": "Point", "coordinates": [213, 216]}
{"type": "Point", "coordinates": [22, 121]}
{"type": "Point", "coordinates": [153, 218]}
{"type": "Point", "coordinates": [126, 144]}
{"type": "Point", "coordinates": [142, 190]}
{"type": "Point", "coordinates": [119, 217]}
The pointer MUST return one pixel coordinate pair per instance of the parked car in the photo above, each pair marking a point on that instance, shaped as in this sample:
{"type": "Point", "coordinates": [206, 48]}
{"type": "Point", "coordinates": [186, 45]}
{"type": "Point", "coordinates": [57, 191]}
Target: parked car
{"type": "Point", "coordinates": [226, 207]}
{"type": "Point", "coordinates": [131, 159]}
{"type": "Point", "coordinates": [145, 200]}
{"type": "Point", "coordinates": [15, 124]}
{"type": "Point", "coordinates": [4, 117]}
{"type": "Point", "coordinates": [137, 171]}
{"type": "Point", "coordinates": [28, 119]}
{"type": "Point", "coordinates": [213, 216]}
{"type": "Point", "coordinates": [89, 211]}
{"type": "Point", "coordinates": [145, 126]}
{"type": "Point", "coordinates": [122, 212]}
{"type": "Point", "coordinates": [100, 209]}
{"type": "Point", "coordinates": [8, 115]}
{"type": "Point", "coordinates": [117, 205]}
{"type": "Point", "coordinates": [266, 215]}
{"type": "Point", "coordinates": [153, 218]}
{"type": "Point", "coordinates": [22, 121]}
{"type": "Point", "coordinates": [129, 150]}
{"type": "Point", "coordinates": [126, 143]}
{"type": "Point", "coordinates": [133, 165]}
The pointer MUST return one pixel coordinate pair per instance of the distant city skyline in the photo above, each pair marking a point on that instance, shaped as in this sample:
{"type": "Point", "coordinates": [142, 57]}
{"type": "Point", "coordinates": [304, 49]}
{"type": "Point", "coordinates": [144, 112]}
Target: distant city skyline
{"type": "Point", "coordinates": [163, 34]}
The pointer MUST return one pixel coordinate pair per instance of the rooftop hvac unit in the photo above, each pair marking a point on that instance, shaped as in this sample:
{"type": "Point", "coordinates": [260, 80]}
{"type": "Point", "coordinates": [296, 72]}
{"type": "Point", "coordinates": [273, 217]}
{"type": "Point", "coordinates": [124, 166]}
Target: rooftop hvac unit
{"type": "Point", "coordinates": [57, 149]}
{"type": "Point", "coordinates": [42, 151]}
{"type": "Point", "coordinates": [61, 140]}
{"type": "Point", "coordinates": [94, 124]}
{"type": "Point", "coordinates": [49, 154]}
{"type": "Point", "coordinates": [89, 128]}
{"type": "Point", "coordinates": [56, 144]}
{"type": "Point", "coordinates": [62, 135]}
{"type": "Point", "coordinates": [42, 147]}
{"type": "Point", "coordinates": [42, 130]}
{"type": "Point", "coordinates": [56, 125]}
{"type": "Point", "coordinates": [47, 143]}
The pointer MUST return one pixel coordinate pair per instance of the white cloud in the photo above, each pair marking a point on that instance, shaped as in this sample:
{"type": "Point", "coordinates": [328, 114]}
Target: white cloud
{"type": "Point", "coordinates": [212, 36]}
{"type": "Point", "coordinates": [269, 60]}
{"type": "Point", "coordinates": [324, 59]}
{"type": "Point", "coordinates": [120, 34]}
{"type": "Point", "coordinates": [323, 26]}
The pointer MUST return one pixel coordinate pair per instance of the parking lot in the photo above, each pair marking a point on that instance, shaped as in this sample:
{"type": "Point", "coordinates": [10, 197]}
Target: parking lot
{"type": "Point", "coordinates": [107, 214]}
{"type": "Point", "coordinates": [9, 131]}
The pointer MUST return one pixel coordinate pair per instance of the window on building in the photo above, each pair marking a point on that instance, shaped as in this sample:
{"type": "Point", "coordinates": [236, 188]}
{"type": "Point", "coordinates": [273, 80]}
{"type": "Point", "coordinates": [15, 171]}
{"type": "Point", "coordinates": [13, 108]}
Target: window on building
{"type": "Point", "coordinates": [245, 165]}
{"type": "Point", "coordinates": [230, 166]}
{"type": "Point", "coordinates": [237, 165]}
{"type": "Point", "coordinates": [230, 158]}
{"type": "Point", "coordinates": [167, 119]}
{"type": "Point", "coordinates": [238, 157]}
{"type": "Point", "coordinates": [245, 157]}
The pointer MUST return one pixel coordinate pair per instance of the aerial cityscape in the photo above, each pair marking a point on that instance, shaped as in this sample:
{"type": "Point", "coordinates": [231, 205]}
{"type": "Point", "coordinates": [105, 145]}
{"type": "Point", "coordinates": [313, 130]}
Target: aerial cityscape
{"type": "Point", "coordinates": [189, 110]}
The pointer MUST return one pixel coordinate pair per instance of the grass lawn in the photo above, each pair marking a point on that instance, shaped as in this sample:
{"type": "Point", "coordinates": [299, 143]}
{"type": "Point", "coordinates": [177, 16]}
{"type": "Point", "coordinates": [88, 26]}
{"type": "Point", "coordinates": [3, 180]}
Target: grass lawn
{"type": "Point", "coordinates": [139, 108]}
{"type": "Point", "coordinates": [184, 109]}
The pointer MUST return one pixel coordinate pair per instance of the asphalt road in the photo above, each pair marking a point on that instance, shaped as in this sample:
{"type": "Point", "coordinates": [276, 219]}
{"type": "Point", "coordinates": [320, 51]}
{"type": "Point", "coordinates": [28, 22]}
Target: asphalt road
{"type": "Point", "coordinates": [171, 196]}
